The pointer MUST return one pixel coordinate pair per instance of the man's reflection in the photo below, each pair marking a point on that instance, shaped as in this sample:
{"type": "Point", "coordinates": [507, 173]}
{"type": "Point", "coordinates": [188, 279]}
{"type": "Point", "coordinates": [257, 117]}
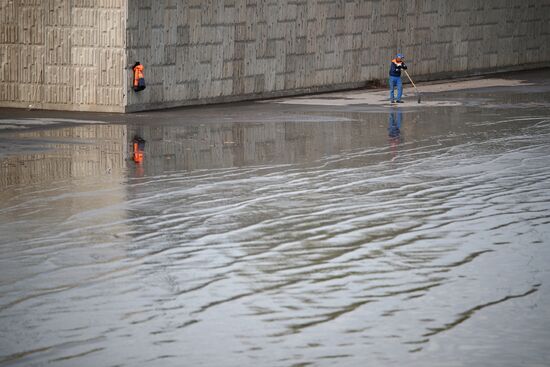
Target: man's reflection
{"type": "Point", "coordinates": [394, 129]}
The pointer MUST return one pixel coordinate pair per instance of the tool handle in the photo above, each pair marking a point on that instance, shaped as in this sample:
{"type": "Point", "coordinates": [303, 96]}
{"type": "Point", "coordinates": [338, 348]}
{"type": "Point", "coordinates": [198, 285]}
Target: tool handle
{"type": "Point", "coordinates": [407, 74]}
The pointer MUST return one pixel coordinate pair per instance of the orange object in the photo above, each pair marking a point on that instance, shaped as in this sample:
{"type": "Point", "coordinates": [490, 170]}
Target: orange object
{"type": "Point", "coordinates": [138, 148]}
{"type": "Point", "coordinates": [139, 79]}
{"type": "Point", "coordinates": [138, 155]}
{"type": "Point", "coordinates": [398, 63]}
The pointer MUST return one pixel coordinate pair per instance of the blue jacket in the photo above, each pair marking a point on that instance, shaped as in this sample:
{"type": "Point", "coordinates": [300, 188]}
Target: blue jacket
{"type": "Point", "coordinates": [395, 67]}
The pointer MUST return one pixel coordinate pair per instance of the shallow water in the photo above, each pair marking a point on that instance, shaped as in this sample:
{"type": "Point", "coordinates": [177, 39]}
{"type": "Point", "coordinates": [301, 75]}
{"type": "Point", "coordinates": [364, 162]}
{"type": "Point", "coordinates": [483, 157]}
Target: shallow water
{"type": "Point", "coordinates": [280, 240]}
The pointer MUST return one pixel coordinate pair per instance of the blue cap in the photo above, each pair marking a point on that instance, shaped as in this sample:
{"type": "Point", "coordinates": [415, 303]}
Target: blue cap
{"type": "Point", "coordinates": [399, 56]}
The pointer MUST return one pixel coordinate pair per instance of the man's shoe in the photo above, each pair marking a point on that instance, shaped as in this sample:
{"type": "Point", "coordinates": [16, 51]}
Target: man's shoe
{"type": "Point", "coordinates": [400, 101]}
{"type": "Point", "coordinates": [392, 101]}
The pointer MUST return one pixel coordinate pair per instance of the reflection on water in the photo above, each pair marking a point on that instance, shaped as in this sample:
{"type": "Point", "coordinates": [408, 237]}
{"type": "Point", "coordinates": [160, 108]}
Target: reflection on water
{"type": "Point", "coordinates": [279, 243]}
{"type": "Point", "coordinates": [394, 129]}
{"type": "Point", "coordinates": [223, 145]}
{"type": "Point", "coordinates": [59, 153]}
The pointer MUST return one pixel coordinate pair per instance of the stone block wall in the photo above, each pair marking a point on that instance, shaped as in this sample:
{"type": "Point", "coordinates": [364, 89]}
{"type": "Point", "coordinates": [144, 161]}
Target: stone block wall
{"type": "Point", "coordinates": [204, 51]}
{"type": "Point", "coordinates": [61, 54]}
{"type": "Point", "coordinates": [76, 54]}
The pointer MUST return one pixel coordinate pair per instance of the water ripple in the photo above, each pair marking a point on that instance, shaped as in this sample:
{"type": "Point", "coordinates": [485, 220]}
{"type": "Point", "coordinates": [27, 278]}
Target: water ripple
{"type": "Point", "coordinates": [352, 253]}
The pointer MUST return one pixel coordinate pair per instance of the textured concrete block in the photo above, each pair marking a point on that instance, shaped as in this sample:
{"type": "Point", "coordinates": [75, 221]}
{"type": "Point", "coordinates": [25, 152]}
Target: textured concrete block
{"type": "Point", "coordinates": [75, 54]}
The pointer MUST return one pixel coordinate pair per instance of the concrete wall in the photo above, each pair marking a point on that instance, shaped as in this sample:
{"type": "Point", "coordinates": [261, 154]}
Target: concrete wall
{"type": "Point", "coordinates": [201, 51]}
{"type": "Point", "coordinates": [62, 54]}
{"type": "Point", "coordinates": [75, 54]}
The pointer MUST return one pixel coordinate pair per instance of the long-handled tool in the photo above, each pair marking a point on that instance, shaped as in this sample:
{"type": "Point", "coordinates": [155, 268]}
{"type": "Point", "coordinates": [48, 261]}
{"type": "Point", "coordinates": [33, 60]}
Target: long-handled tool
{"type": "Point", "coordinates": [418, 95]}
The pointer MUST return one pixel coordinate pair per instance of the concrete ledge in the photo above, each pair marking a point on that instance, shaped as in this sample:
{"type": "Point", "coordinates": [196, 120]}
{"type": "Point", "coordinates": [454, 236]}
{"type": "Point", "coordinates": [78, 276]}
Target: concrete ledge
{"type": "Point", "coordinates": [450, 75]}
{"type": "Point", "coordinates": [62, 107]}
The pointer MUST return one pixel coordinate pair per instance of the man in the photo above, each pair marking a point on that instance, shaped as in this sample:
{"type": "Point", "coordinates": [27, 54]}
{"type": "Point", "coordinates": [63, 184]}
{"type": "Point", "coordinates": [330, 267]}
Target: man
{"type": "Point", "coordinates": [395, 77]}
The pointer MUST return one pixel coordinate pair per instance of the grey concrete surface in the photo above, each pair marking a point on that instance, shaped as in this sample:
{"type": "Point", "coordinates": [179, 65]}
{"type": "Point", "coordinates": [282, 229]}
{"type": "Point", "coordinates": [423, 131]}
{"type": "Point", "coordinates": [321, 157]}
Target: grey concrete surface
{"type": "Point", "coordinates": [217, 51]}
{"type": "Point", "coordinates": [58, 54]}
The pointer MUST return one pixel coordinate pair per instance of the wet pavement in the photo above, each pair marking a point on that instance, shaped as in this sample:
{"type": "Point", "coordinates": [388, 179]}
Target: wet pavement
{"type": "Point", "coordinates": [282, 233]}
